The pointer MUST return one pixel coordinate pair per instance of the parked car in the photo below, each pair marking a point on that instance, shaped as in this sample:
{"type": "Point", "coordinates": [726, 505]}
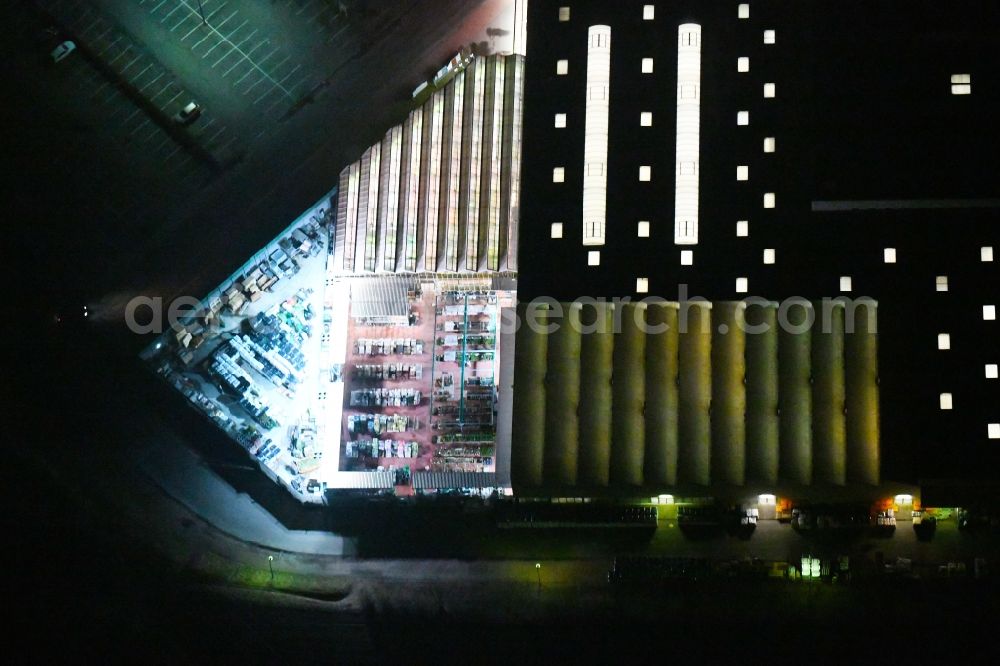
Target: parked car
{"type": "Point", "coordinates": [62, 50]}
{"type": "Point", "coordinates": [188, 114]}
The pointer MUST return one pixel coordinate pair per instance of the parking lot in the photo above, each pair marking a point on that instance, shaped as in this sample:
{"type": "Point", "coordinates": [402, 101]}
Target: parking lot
{"type": "Point", "coordinates": [240, 50]}
{"type": "Point", "coordinates": [107, 126]}
{"type": "Point", "coordinates": [125, 61]}
{"type": "Point", "coordinates": [127, 121]}
{"type": "Point", "coordinates": [327, 17]}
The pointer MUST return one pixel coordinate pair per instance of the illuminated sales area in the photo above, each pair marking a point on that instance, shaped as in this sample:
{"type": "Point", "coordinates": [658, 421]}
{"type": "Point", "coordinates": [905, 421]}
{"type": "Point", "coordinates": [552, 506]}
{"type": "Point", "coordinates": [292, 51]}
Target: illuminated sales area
{"type": "Point", "coordinates": [361, 349]}
{"type": "Point", "coordinates": [331, 380]}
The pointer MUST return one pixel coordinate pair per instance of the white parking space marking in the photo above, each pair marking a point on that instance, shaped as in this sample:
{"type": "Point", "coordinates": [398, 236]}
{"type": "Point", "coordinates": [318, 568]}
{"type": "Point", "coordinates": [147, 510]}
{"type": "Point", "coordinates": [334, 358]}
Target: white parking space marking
{"type": "Point", "coordinates": [304, 7]}
{"type": "Point", "coordinates": [169, 14]}
{"type": "Point", "coordinates": [222, 37]}
{"type": "Point", "coordinates": [224, 56]}
{"type": "Point", "coordinates": [294, 69]}
{"type": "Point", "coordinates": [169, 101]}
{"type": "Point", "coordinates": [165, 141]}
{"type": "Point", "coordinates": [224, 21]}
{"type": "Point", "coordinates": [158, 77]}
{"type": "Point", "coordinates": [273, 104]}
{"type": "Point", "coordinates": [259, 81]}
{"type": "Point", "coordinates": [131, 62]}
{"type": "Point", "coordinates": [250, 71]}
{"type": "Point", "coordinates": [216, 135]}
{"type": "Point", "coordinates": [238, 48]}
{"type": "Point", "coordinates": [108, 46]}
{"type": "Point", "coordinates": [228, 143]}
{"type": "Point", "coordinates": [211, 16]}
{"type": "Point", "coordinates": [337, 34]}
{"type": "Point", "coordinates": [113, 94]}
{"type": "Point", "coordinates": [132, 115]}
{"type": "Point", "coordinates": [282, 62]}
{"type": "Point", "coordinates": [162, 90]}
{"type": "Point", "coordinates": [120, 54]}
{"type": "Point", "coordinates": [188, 33]}
{"type": "Point", "coordinates": [143, 71]}
{"type": "Point", "coordinates": [246, 57]}
{"type": "Point", "coordinates": [182, 22]}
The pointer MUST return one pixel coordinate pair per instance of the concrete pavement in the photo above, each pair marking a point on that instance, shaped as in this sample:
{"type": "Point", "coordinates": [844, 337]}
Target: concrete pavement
{"type": "Point", "coordinates": [186, 479]}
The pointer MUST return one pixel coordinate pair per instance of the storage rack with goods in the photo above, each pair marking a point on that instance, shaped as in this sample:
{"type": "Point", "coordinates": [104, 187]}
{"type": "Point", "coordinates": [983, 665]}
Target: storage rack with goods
{"type": "Point", "coordinates": [375, 424]}
{"type": "Point", "coordinates": [397, 397]}
{"type": "Point", "coordinates": [388, 371]}
{"type": "Point", "coordinates": [382, 448]}
{"type": "Point", "coordinates": [388, 347]}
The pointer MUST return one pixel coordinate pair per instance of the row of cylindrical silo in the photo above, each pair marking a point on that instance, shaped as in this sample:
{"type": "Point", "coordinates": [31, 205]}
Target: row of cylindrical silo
{"type": "Point", "coordinates": [861, 371]}
{"type": "Point", "coordinates": [661, 394]}
{"type": "Point", "coordinates": [728, 393]}
{"type": "Point", "coordinates": [595, 393]}
{"type": "Point", "coordinates": [795, 394]}
{"type": "Point", "coordinates": [530, 368]}
{"type": "Point", "coordinates": [829, 428]}
{"type": "Point", "coordinates": [629, 397]}
{"type": "Point", "coordinates": [694, 431]}
{"type": "Point", "coordinates": [762, 392]}
{"type": "Point", "coordinates": [562, 400]}
{"type": "Point", "coordinates": [660, 459]}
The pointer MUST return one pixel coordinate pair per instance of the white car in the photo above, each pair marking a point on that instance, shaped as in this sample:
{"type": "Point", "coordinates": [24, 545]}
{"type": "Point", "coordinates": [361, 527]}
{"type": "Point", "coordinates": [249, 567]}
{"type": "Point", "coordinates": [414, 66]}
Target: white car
{"type": "Point", "coordinates": [64, 49]}
{"type": "Point", "coordinates": [188, 114]}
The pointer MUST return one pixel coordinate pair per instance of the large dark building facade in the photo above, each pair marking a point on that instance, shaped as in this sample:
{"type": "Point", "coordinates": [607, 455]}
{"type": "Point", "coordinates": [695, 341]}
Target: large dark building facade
{"type": "Point", "coordinates": [773, 150]}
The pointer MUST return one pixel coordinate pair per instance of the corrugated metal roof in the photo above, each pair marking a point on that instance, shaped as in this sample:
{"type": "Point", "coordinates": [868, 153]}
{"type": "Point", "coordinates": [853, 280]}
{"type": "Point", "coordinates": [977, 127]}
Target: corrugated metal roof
{"type": "Point", "coordinates": [381, 297]}
{"type": "Point", "coordinates": [445, 480]}
{"type": "Point", "coordinates": [363, 480]}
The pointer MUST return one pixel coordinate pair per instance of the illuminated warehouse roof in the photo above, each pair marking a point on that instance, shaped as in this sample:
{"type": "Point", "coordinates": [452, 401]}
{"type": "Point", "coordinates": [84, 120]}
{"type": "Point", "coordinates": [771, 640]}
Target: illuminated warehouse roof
{"type": "Point", "coordinates": [773, 149]}
{"type": "Point", "coordinates": [441, 191]}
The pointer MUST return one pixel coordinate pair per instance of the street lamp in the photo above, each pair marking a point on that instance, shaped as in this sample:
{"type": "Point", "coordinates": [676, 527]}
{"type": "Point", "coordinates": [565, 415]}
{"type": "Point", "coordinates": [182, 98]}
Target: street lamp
{"type": "Point", "coordinates": [538, 571]}
{"type": "Point", "coordinates": [270, 560]}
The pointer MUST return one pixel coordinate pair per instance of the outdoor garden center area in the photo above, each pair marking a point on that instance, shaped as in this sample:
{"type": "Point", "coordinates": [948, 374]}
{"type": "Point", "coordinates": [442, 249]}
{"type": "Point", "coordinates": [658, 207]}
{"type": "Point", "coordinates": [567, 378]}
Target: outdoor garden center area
{"type": "Point", "coordinates": [376, 382]}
